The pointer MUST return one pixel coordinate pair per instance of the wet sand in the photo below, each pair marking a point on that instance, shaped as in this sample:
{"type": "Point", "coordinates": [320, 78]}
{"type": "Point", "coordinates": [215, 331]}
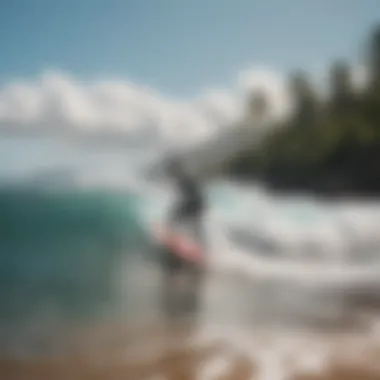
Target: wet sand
{"type": "Point", "coordinates": [243, 330]}
{"type": "Point", "coordinates": [220, 355]}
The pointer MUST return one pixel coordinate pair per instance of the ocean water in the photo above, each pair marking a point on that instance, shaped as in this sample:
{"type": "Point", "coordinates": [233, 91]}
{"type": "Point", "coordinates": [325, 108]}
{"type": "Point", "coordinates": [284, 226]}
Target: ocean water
{"type": "Point", "coordinates": [59, 251]}
{"type": "Point", "coordinates": [78, 254]}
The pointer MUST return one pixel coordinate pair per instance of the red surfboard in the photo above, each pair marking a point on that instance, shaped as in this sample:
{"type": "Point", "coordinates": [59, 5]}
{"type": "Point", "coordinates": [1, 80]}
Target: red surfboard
{"type": "Point", "coordinates": [180, 245]}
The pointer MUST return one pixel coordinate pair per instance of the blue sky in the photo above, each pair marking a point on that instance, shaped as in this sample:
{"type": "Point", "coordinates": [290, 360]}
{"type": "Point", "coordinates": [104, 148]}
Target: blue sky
{"type": "Point", "coordinates": [177, 46]}
{"type": "Point", "coordinates": [183, 49]}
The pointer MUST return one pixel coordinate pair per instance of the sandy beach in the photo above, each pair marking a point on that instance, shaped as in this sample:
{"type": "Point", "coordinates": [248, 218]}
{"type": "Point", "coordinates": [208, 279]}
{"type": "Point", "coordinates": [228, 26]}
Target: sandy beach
{"type": "Point", "coordinates": [181, 353]}
{"type": "Point", "coordinates": [241, 332]}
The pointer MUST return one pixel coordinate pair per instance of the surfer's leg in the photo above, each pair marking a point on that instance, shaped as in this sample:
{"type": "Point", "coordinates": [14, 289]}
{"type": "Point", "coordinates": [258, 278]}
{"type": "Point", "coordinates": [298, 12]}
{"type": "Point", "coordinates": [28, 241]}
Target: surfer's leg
{"type": "Point", "coordinates": [191, 297]}
{"type": "Point", "coordinates": [167, 281]}
{"type": "Point", "coordinates": [173, 274]}
{"type": "Point", "coordinates": [167, 297]}
{"type": "Point", "coordinates": [193, 271]}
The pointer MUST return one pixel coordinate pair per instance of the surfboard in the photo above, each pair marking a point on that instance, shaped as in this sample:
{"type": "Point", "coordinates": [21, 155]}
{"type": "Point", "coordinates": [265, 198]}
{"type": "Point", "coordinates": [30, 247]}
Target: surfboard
{"type": "Point", "coordinates": [180, 244]}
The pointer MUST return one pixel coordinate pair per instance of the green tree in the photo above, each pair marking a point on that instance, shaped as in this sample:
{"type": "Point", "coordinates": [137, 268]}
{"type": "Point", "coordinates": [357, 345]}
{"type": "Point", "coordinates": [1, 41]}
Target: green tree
{"type": "Point", "coordinates": [341, 90]}
{"type": "Point", "coordinates": [336, 148]}
{"type": "Point", "coordinates": [371, 106]}
{"type": "Point", "coordinates": [374, 56]}
{"type": "Point", "coordinates": [305, 100]}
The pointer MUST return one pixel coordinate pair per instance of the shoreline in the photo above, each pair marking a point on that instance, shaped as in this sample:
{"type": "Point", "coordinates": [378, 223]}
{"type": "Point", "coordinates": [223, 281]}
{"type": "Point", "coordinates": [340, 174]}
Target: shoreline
{"type": "Point", "coordinates": [235, 353]}
{"type": "Point", "coordinates": [236, 349]}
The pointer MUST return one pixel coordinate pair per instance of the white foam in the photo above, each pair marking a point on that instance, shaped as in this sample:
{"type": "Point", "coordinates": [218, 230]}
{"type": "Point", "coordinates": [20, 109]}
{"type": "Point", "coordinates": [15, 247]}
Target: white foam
{"type": "Point", "coordinates": [298, 228]}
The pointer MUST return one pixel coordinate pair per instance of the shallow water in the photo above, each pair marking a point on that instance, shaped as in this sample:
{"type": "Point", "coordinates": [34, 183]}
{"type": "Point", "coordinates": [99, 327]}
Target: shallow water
{"type": "Point", "coordinates": [86, 256]}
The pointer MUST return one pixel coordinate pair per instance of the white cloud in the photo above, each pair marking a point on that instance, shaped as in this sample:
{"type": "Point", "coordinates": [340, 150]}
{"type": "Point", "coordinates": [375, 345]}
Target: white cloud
{"type": "Point", "coordinates": [270, 83]}
{"type": "Point", "coordinates": [55, 103]}
{"type": "Point", "coordinates": [126, 113]}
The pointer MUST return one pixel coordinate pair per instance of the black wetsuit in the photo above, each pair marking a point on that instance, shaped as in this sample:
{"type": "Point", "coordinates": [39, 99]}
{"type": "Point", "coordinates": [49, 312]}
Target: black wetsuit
{"type": "Point", "coordinates": [191, 204]}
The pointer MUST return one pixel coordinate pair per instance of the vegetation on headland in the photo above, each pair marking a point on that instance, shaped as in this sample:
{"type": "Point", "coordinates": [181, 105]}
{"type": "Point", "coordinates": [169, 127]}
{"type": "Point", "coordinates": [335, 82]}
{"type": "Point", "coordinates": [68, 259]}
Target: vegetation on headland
{"type": "Point", "coordinates": [328, 146]}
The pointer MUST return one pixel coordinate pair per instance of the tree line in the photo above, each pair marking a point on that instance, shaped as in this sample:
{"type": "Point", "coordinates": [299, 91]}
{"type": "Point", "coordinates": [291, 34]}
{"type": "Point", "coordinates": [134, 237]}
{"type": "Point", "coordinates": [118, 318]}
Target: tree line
{"type": "Point", "coordinates": [330, 143]}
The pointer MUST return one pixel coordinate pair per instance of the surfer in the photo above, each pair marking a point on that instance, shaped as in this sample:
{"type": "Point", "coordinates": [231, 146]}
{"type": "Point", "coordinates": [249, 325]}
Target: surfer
{"type": "Point", "coordinates": [187, 212]}
{"type": "Point", "coordinates": [190, 206]}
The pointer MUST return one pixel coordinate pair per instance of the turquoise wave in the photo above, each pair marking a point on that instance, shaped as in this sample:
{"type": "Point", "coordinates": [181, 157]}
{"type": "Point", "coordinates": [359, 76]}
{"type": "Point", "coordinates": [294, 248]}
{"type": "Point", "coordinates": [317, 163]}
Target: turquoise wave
{"type": "Point", "coordinates": [62, 248]}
